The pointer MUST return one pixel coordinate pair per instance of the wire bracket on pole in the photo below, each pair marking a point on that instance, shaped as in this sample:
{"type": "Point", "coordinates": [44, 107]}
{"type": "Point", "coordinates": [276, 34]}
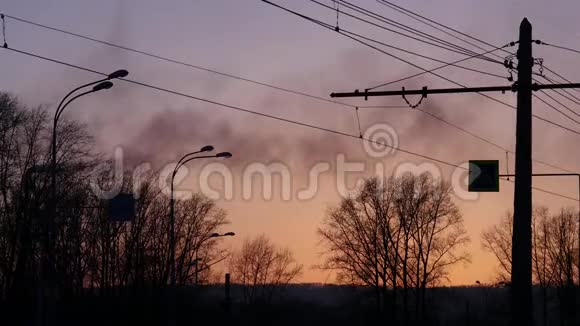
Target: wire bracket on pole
{"type": "Point", "coordinates": [4, 30]}
{"type": "Point", "coordinates": [414, 106]}
{"type": "Point", "coordinates": [540, 62]}
{"type": "Point", "coordinates": [507, 165]}
{"type": "Point", "coordinates": [360, 135]}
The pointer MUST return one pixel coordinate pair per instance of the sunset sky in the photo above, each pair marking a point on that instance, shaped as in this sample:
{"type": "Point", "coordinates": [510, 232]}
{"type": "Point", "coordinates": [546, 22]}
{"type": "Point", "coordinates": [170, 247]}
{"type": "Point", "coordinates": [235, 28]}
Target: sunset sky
{"type": "Point", "coordinates": [251, 39]}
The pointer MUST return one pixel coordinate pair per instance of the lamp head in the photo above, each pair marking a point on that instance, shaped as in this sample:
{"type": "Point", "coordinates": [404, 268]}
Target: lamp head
{"type": "Point", "coordinates": [224, 154]}
{"type": "Point", "coordinates": [103, 85]}
{"type": "Point", "coordinates": [119, 74]}
{"type": "Point", "coordinates": [207, 148]}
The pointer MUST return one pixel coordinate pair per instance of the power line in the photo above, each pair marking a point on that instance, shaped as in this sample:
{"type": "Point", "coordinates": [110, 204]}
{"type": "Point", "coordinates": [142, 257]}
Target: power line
{"type": "Point", "coordinates": [226, 74]}
{"type": "Point", "coordinates": [462, 129]}
{"type": "Point", "coordinates": [414, 15]}
{"type": "Point", "coordinates": [273, 117]}
{"type": "Point", "coordinates": [391, 46]}
{"type": "Point", "coordinates": [434, 69]}
{"type": "Point", "coordinates": [404, 11]}
{"type": "Point", "coordinates": [571, 97]}
{"type": "Point", "coordinates": [554, 123]}
{"type": "Point", "coordinates": [348, 35]}
{"type": "Point", "coordinates": [330, 27]}
{"type": "Point", "coordinates": [473, 135]}
{"type": "Point", "coordinates": [237, 108]}
{"type": "Point", "coordinates": [421, 55]}
{"type": "Point", "coordinates": [501, 102]}
{"type": "Point", "coordinates": [396, 24]}
{"type": "Point", "coordinates": [558, 47]}
{"type": "Point", "coordinates": [555, 108]}
{"type": "Point", "coordinates": [547, 191]}
{"type": "Point", "coordinates": [561, 104]}
{"type": "Point", "coordinates": [182, 63]}
{"type": "Point", "coordinates": [558, 75]}
{"type": "Point", "coordinates": [406, 28]}
{"type": "Point", "coordinates": [392, 22]}
{"type": "Point", "coordinates": [230, 75]}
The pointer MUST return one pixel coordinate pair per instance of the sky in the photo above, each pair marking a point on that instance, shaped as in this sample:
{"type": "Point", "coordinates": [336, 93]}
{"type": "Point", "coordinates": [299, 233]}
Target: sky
{"type": "Point", "coordinates": [254, 40]}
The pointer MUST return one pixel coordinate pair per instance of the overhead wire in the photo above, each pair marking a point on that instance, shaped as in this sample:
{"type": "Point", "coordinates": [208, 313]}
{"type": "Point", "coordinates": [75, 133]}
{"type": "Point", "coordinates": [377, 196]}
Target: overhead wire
{"type": "Point", "coordinates": [447, 64]}
{"type": "Point", "coordinates": [175, 61]}
{"type": "Point", "coordinates": [435, 69]}
{"type": "Point", "coordinates": [328, 26]}
{"type": "Point", "coordinates": [567, 94]}
{"type": "Point", "coordinates": [554, 107]}
{"type": "Point", "coordinates": [432, 23]}
{"type": "Point", "coordinates": [456, 126]}
{"type": "Point", "coordinates": [464, 130]}
{"type": "Point", "coordinates": [215, 71]}
{"type": "Point", "coordinates": [237, 108]}
{"type": "Point", "coordinates": [558, 47]}
{"type": "Point", "coordinates": [348, 35]}
{"type": "Point", "coordinates": [241, 78]}
{"type": "Point", "coordinates": [561, 104]}
{"type": "Point", "coordinates": [458, 49]}
{"type": "Point", "coordinates": [406, 28]}
{"type": "Point", "coordinates": [414, 15]}
{"type": "Point", "coordinates": [473, 55]}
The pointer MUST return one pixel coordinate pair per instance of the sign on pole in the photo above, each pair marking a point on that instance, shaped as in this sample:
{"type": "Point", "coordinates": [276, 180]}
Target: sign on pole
{"type": "Point", "coordinates": [483, 176]}
{"type": "Point", "coordinates": [122, 208]}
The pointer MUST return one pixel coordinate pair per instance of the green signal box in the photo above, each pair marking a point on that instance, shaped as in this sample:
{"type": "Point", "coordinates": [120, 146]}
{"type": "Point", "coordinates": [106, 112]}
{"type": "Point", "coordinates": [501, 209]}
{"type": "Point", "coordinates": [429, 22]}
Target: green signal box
{"type": "Point", "coordinates": [483, 176]}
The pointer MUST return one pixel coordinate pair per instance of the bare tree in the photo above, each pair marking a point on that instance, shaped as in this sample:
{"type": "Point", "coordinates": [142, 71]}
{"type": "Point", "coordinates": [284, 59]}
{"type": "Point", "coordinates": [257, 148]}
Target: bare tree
{"type": "Point", "coordinates": [554, 253]}
{"type": "Point", "coordinates": [498, 241]}
{"type": "Point", "coordinates": [396, 233]}
{"type": "Point", "coordinates": [262, 269]}
{"type": "Point", "coordinates": [554, 244]}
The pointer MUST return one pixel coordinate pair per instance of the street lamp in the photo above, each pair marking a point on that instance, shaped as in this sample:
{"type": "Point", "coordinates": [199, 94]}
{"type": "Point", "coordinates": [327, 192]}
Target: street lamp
{"type": "Point", "coordinates": [98, 85]}
{"type": "Point", "coordinates": [213, 235]}
{"type": "Point", "coordinates": [186, 158]}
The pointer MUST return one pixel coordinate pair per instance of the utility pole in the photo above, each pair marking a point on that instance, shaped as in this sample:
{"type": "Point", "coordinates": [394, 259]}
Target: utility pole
{"type": "Point", "coordinates": [522, 229]}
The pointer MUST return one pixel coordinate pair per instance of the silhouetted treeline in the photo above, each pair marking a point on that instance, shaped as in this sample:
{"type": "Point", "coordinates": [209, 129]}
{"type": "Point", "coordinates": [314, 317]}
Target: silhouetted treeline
{"type": "Point", "coordinates": [89, 255]}
{"type": "Point", "coordinates": [392, 244]}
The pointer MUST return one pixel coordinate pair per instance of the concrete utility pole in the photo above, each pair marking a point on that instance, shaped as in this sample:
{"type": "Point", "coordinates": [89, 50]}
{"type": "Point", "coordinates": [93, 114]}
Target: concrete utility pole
{"type": "Point", "coordinates": [522, 229]}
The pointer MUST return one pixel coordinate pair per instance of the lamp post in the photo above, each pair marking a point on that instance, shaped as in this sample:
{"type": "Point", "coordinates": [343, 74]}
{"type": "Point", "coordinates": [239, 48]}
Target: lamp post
{"type": "Point", "coordinates": [213, 235]}
{"type": "Point", "coordinates": [186, 158]}
{"type": "Point", "coordinates": [98, 85]}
